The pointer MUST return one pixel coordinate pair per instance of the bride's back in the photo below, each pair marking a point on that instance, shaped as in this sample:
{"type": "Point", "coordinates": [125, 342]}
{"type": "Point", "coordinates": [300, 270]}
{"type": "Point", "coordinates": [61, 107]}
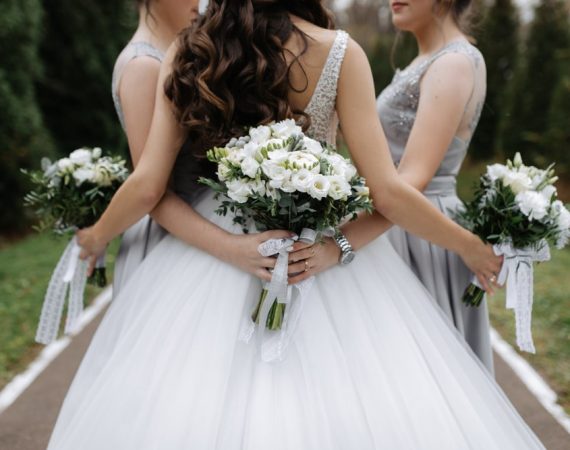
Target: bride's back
{"type": "Point", "coordinates": [249, 62]}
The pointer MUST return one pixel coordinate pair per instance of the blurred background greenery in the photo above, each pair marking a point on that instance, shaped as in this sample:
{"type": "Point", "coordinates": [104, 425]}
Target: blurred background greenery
{"type": "Point", "coordinates": [55, 76]}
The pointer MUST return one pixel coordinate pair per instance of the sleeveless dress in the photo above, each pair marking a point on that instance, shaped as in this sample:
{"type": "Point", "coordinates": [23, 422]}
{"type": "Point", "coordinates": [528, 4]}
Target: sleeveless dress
{"type": "Point", "coordinates": [373, 364]}
{"type": "Point", "coordinates": [442, 272]}
{"type": "Point", "coordinates": [138, 241]}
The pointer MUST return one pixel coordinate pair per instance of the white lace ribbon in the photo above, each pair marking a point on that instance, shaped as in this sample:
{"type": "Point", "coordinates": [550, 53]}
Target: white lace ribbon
{"type": "Point", "coordinates": [273, 344]}
{"type": "Point", "coordinates": [70, 275]}
{"type": "Point", "coordinates": [517, 272]}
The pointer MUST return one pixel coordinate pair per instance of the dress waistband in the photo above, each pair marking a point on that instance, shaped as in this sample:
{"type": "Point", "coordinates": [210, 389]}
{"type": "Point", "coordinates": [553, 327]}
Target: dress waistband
{"type": "Point", "coordinates": [442, 185]}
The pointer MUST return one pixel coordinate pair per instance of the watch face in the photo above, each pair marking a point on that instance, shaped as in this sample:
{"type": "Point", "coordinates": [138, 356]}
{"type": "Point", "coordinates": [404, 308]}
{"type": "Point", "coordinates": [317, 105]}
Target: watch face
{"type": "Point", "coordinates": [347, 258]}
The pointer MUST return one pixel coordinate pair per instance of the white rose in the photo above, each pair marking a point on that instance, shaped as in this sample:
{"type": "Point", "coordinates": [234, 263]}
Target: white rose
{"type": "Point", "coordinates": [239, 190]}
{"type": "Point", "coordinates": [339, 188]}
{"type": "Point", "coordinates": [302, 180]}
{"type": "Point", "coordinates": [275, 172]}
{"type": "Point", "coordinates": [249, 166]}
{"type": "Point", "coordinates": [517, 181]}
{"type": "Point", "coordinates": [258, 187]}
{"type": "Point", "coordinates": [97, 153]}
{"type": "Point", "coordinates": [532, 204]}
{"type": "Point", "coordinates": [303, 160]}
{"type": "Point", "coordinates": [102, 176]}
{"type": "Point", "coordinates": [319, 187]}
{"type": "Point", "coordinates": [496, 171]}
{"type": "Point", "coordinates": [562, 215]}
{"type": "Point", "coordinates": [349, 172]}
{"type": "Point", "coordinates": [286, 128]}
{"type": "Point", "coordinates": [260, 134]}
{"type": "Point", "coordinates": [312, 146]}
{"type": "Point", "coordinates": [80, 156]}
{"type": "Point", "coordinates": [83, 174]}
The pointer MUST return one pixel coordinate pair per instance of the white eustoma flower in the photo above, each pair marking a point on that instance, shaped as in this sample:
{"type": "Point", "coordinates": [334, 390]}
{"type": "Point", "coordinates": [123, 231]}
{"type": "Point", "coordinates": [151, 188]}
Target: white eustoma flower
{"type": "Point", "coordinates": [250, 149]}
{"type": "Point", "coordinates": [278, 156]}
{"type": "Point", "coordinates": [517, 181]}
{"type": "Point", "coordinates": [223, 171]}
{"type": "Point", "coordinates": [102, 176]}
{"type": "Point", "coordinates": [303, 160]}
{"type": "Point", "coordinates": [548, 191]}
{"type": "Point", "coordinates": [276, 173]}
{"type": "Point", "coordinates": [45, 163]}
{"type": "Point", "coordinates": [285, 129]}
{"type": "Point", "coordinates": [532, 204]}
{"type": "Point", "coordinates": [236, 157]}
{"type": "Point", "coordinates": [319, 187]}
{"type": "Point", "coordinates": [314, 147]}
{"type": "Point", "coordinates": [258, 187]}
{"type": "Point", "coordinates": [239, 190]}
{"type": "Point", "coordinates": [362, 191]}
{"type": "Point", "coordinates": [349, 172]}
{"type": "Point", "coordinates": [97, 152]}
{"type": "Point", "coordinates": [339, 188]}
{"type": "Point", "coordinates": [260, 135]}
{"type": "Point", "coordinates": [250, 167]}
{"type": "Point", "coordinates": [302, 180]}
{"type": "Point", "coordinates": [80, 156]}
{"type": "Point", "coordinates": [83, 174]}
{"type": "Point", "coordinates": [64, 164]}
{"type": "Point", "coordinates": [496, 171]}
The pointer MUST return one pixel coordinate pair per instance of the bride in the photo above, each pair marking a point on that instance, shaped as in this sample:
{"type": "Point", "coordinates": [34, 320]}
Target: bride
{"type": "Point", "coordinates": [373, 364]}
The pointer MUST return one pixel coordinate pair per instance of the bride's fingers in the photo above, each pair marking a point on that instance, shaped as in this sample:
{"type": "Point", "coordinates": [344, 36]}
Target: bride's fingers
{"type": "Point", "coordinates": [298, 267]}
{"type": "Point", "coordinates": [268, 262]}
{"type": "Point", "coordinates": [91, 268]}
{"type": "Point", "coordinates": [305, 253]}
{"type": "Point", "coordinates": [263, 274]}
{"type": "Point", "coordinates": [301, 277]}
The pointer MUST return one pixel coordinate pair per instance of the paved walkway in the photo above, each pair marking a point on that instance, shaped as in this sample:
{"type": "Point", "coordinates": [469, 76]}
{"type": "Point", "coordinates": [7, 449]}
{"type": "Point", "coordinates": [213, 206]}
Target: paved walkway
{"type": "Point", "coordinates": [27, 424]}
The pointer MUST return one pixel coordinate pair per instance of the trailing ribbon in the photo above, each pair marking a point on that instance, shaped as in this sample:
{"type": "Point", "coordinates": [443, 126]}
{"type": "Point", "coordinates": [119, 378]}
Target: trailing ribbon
{"type": "Point", "coordinates": [517, 272]}
{"type": "Point", "coordinates": [70, 272]}
{"type": "Point", "coordinates": [273, 344]}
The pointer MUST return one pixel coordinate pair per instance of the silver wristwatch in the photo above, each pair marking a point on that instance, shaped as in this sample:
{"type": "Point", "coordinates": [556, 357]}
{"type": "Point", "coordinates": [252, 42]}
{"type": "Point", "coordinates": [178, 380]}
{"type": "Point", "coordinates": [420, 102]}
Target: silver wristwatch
{"type": "Point", "coordinates": [347, 254]}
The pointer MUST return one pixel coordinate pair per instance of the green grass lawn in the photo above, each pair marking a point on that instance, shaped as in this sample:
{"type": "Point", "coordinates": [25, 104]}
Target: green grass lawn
{"type": "Point", "coordinates": [551, 311]}
{"type": "Point", "coordinates": [25, 269]}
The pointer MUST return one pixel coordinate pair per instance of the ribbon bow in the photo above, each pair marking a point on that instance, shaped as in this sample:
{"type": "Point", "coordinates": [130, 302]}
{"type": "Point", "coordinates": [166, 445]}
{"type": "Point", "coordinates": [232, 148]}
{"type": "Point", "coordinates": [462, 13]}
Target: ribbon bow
{"type": "Point", "coordinates": [517, 272]}
{"type": "Point", "coordinates": [70, 275]}
{"type": "Point", "coordinates": [272, 344]}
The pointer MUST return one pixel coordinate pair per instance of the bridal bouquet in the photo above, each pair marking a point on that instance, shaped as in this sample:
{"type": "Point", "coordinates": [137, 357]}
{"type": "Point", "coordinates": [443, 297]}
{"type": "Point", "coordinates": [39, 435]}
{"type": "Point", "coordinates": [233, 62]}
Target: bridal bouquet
{"type": "Point", "coordinates": [516, 209]}
{"type": "Point", "coordinates": [278, 178]}
{"type": "Point", "coordinates": [68, 194]}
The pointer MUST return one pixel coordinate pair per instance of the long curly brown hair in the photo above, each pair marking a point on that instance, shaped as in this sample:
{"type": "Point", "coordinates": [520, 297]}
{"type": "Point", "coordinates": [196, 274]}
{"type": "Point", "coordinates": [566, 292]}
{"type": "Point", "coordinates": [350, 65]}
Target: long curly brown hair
{"type": "Point", "coordinates": [231, 70]}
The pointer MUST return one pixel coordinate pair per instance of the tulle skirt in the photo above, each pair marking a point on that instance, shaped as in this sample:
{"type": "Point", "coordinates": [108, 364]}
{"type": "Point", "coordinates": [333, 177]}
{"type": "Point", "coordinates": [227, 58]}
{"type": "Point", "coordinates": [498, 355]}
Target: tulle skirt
{"type": "Point", "coordinates": [445, 276]}
{"type": "Point", "coordinates": [373, 365]}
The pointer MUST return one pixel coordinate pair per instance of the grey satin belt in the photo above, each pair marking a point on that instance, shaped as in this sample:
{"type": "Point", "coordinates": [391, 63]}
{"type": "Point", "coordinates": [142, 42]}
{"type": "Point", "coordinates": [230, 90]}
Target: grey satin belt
{"type": "Point", "coordinates": [442, 185]}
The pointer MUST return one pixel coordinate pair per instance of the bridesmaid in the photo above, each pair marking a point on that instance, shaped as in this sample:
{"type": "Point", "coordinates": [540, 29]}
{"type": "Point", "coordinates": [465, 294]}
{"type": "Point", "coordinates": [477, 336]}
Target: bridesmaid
{"type": "Point", "coordinates": [429, 113]}
{"type": "Point", "coordinates": [135, 79]}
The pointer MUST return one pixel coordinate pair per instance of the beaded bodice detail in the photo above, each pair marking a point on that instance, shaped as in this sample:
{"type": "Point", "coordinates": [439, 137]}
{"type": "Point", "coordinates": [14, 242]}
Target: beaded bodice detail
{"type": "Point", "coordinates": [398, 104]}
{"type": "Point", "coordinates": [322, 106]}
{"type": "Point", "coordinates": [131, 51]}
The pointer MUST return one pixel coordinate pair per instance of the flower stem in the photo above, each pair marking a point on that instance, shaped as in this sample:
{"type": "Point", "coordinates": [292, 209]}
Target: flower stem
{"type": "Point", "coordinates": [473, 295]}
{"type": "Point", "coordinates": [275, 316]}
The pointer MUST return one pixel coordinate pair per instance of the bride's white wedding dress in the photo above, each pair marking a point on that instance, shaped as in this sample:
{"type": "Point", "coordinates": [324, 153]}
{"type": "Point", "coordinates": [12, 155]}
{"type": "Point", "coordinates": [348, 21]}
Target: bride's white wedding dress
{"type": "Point", "coordinates": [373, 364]}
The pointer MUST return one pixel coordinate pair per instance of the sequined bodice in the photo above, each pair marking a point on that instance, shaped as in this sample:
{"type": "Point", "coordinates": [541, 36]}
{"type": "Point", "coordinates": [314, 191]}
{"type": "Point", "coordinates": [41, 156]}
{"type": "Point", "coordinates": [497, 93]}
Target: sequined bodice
{"type": "Point", "coordinates": [398, 104]}
{"type": "Point", "coordinates": [322, 107]}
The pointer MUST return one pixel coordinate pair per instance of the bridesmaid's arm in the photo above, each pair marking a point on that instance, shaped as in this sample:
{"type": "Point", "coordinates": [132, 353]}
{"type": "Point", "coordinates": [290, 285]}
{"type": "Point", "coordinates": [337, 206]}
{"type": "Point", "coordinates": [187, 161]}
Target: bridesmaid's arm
{"type": "Point", "coordinates": [393, 197]}
{"type": "Point", "coordinates": [445, 91]}
{"type": "Point", "coordinates": [146, 186]}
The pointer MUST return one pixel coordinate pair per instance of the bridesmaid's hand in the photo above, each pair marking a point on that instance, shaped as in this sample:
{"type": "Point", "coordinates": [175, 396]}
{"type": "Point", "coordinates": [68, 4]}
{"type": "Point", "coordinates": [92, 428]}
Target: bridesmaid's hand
{"type": "Point", "coordinates": [92, 246]}
{"type": "Point", "coordinates": [242, 252]}
{"type": "Point", "coordinates": [483, 262]}
{"type": "Point", "coordinates": [307, 260]}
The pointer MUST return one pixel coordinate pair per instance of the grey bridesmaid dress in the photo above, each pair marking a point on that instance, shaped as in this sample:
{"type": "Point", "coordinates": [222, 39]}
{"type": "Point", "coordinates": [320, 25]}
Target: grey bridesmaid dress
{"type": "Point", "coordinates": [442, 272]}
{"type": "Point", "coordinates": [143, 236]}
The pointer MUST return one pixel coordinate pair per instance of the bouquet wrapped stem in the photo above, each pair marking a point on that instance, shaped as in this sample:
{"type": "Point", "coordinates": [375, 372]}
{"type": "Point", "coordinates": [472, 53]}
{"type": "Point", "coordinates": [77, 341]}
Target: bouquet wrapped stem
{"type": "Point", "coordinates": [276, 313]}
{"type": "Point", "coordinates": [473, 295]}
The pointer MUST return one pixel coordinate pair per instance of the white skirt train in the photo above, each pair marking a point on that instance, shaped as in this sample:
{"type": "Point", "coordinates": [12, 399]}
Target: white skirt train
{"type": "Point", "coordinates": [373, 365]}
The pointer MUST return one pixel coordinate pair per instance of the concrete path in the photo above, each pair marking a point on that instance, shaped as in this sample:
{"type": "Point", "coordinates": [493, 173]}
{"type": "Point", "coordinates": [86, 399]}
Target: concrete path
{"type": "Point", "coordinates": [27, 424]}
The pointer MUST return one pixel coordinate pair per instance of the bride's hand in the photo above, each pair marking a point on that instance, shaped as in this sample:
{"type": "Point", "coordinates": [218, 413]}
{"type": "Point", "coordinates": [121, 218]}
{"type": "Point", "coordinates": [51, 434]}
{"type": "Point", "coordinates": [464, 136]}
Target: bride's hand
{"type": "Point", "coordinates": [307, 260]}
{"type": "Point", "coordinates": [92, 246]}
{"type": "Point", "coordinates": [242, 252]}
{"type": "Point", "coordinates": [483, 262]}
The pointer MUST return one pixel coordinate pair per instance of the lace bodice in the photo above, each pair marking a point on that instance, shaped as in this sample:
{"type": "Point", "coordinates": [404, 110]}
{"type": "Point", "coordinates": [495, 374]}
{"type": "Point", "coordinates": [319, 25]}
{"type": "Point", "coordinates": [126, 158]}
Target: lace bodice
{"type": "Point", "coordinates": [131, 51]}
{"type": "Point", "coordinates": [322, 106]}
{"type": "Point", "coordinates": [398, 104]}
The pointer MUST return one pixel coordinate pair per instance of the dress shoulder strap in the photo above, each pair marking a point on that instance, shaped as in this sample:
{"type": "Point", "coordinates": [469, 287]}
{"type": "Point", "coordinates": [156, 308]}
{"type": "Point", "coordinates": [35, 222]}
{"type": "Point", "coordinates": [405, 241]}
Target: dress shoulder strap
{"type": "Point", "coordinates": [132, 51]}
{"type": "Point", "coordinates": [323, 102]}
